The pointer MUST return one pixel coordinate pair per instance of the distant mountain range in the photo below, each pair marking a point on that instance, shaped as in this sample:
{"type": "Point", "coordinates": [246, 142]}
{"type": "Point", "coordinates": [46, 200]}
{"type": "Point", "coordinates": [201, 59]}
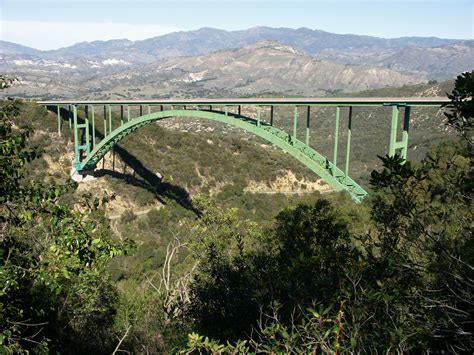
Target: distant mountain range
{"type": "Point", "coordinates": [296, 61]}
{"type": "Point", "coordinates": [207, 40]}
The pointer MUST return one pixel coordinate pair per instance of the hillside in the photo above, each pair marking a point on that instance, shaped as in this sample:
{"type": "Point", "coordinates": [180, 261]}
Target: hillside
{"type": "Point", "coordinates": [70, 71]}
{"type": "Point", "coordinates": [263, 68]}
{"type": "Point", "coordinates": [266, 68]}
{"type": "Point", "coordinates": [433, 63]}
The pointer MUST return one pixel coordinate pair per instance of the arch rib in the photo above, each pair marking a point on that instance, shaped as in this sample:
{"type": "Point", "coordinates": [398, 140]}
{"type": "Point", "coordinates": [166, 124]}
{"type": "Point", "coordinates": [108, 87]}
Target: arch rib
{"type": "Point", "coordinates": [316, 162]}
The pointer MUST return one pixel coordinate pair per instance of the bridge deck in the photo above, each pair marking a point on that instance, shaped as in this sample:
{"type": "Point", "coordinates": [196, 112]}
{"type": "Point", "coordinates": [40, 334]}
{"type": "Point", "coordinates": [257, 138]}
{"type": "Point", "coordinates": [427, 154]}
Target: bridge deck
{"type": "Point", "coordinates": [340, 101]}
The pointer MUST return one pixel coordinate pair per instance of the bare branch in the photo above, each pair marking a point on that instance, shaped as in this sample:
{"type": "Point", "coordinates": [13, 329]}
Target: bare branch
{"type": "Point", "coordinates": [122, 339]}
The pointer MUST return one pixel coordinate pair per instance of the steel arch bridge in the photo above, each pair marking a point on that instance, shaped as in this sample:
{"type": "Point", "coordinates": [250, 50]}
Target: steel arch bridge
{"type": "Point", "coordinates": [89, 150]}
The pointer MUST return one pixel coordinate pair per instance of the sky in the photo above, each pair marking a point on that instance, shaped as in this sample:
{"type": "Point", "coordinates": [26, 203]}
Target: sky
{"type": "Point", "coordinates": [51, 24]}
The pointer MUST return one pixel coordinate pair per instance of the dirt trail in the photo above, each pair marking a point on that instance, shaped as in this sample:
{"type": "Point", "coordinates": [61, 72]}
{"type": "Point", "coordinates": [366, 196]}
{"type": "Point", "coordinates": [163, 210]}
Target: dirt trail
{"type": "Point", "coordinates": [136, 213]}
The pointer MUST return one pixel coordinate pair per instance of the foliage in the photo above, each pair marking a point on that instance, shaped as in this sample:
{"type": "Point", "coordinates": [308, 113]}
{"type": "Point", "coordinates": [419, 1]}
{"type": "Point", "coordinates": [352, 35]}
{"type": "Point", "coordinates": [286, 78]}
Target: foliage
{"type": "Point", "coordinates": [423, 243]}
{"type": "Point", "coordinates": [304, 259]}
{"type": "Point", "coordinates": [461, 113]}
{"type": "Point", "coordinates": [422, 252]}
{"type": "Point", "coordinates": [318, 332]}
{"type": "Point", "coordinates": [404, 286]}
{"type": "Point", "coordinates": [313, 258]}
{"type": "Point", "coordinates": [221, 302]}
{"type": "Point", "coordinates": [55, 292]}
{"type": "Point", "coordinates": [142, 314]}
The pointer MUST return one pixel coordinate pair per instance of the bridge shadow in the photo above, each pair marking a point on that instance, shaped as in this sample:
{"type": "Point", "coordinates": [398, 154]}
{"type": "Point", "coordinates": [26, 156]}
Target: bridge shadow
{"type": "Point", "coordinates": [147, 179]}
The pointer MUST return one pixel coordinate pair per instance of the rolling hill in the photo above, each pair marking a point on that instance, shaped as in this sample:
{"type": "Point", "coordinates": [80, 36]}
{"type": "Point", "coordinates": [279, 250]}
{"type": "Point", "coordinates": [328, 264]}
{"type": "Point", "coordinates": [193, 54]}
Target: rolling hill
{"type": "Point", "coordinates": [426, 58]}
{"type": "Point", "coordinates": [260, 69]}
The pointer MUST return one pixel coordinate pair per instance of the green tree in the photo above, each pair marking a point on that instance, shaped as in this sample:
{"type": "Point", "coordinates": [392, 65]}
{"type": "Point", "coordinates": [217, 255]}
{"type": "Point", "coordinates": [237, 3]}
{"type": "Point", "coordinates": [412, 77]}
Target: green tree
{"type": "Point", "coordinates": [55, 291]}
{"type": "Point", "coordinates": [421, 254]}
{"type": "Point", "coordinates": [222, 303]}
{"type": "Point", "coordinates": [407, 285]}
{"type": "Point", "coordinates": [315, 254]}
{"type": "Point", "coordinates": [461, 108]}
{"type": "Point", "coordinates": [302, 262]}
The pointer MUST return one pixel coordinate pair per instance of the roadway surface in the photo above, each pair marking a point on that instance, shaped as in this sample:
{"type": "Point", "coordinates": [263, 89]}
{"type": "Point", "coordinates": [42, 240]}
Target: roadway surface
{"type": "Point", "coordinates": [340, 101]}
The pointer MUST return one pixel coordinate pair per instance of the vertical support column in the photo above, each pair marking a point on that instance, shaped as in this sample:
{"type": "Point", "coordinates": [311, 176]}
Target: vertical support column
{"type": "Point", "coordinates": [110, 119]}
{"type": "Point", "coordinates": [308, 118]}
{"type": "Point", "coordinates": [258, 116]}
{"type": "Point", "coordinates": [93, 125]}
{"type": "Point", "coordinates": [77, 163]}
{"type": "Point", "coordinates": [271, 115]}
{"type": "Point", "coordinates": [59, 120]}
{"type": "Point", "coordinates": [226, 110]}
{"type": "Point", "coordinates": [128, 113]}
{"type": "Point", "coordinates": [121, 115]}
{"type": "Point", "coordinates": [239, 110]}
{"type": "Point", "coordinates": [295, 122]}
{"type": "Point", "coordinates": [348, 148]}
{"type": "Point", "coordinates": [406, 128]}
{"type": "Point", "coordinates": [336, 139]}
{"type": "Point", "coordinates": [86, 130]}
{"type": "Point", "coordinates": [70, 117]}
{"type": "Point", "coordinates": [86, 114]}
{"type": "Point", "coordinates": [105, 120]}
{"type": "Point", "coordinates": [393, 131]}
{"type": "Point", "coordinates": [161, 107]}
{"type": "Point", "coordinates": [141, 110]}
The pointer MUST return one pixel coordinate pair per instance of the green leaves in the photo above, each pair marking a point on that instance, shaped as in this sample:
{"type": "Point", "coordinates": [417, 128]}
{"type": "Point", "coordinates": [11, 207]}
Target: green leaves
{"type": "Point", "coordinates": [317, 332]}
{"type": "Point", "coordinates": [461, 108]}
{"type": "Point", "coordinates": [53, 257]}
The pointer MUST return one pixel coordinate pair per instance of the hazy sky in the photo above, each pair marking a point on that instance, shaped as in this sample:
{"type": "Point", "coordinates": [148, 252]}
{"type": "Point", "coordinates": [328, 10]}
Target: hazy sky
{"type": "Point", "coordinates": [49, 24]}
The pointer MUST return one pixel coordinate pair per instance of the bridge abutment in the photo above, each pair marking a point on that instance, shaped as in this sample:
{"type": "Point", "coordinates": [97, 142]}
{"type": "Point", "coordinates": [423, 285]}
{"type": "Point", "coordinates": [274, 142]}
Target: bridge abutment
{"type": "Point", "coordinates": [82, 176]}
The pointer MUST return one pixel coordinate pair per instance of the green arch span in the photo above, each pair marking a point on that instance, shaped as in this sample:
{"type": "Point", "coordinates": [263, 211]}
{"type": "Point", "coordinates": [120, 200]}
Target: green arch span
{"type": "Point", "coordinates": [320, 165]}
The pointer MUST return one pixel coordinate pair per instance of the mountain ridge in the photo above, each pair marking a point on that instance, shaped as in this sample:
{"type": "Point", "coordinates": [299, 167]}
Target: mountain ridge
{"type": "Point", "coordinates": [84, 68]}
{"type": "Point", "coordinates": [263, 68]}
{"type": "Point", "coordinates": [255, 31]}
